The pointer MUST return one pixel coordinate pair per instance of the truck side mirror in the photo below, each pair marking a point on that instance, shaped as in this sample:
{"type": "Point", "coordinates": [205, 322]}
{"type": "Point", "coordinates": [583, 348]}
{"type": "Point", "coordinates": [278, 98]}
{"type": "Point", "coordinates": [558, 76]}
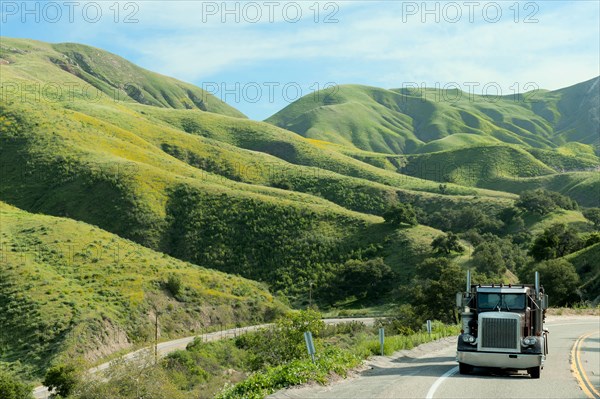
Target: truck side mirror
{"type": "Point", "coordinates": [545, 302]}
{"type": "Point", "coordinates": [459, 300]}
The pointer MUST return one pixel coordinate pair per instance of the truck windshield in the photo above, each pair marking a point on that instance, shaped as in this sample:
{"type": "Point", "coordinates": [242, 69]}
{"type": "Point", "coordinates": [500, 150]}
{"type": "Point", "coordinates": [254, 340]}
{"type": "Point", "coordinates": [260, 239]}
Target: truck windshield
{"type": "Point", "coordinates": [501, 301]}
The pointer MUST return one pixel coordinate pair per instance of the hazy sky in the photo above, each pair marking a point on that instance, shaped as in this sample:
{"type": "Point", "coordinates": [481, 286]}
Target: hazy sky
{"type": "Point", "coordinates": [260, 55]}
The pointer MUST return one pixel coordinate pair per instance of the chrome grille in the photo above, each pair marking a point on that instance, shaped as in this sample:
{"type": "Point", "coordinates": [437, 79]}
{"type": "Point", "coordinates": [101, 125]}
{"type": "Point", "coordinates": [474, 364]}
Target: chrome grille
{"type": "Point", "coordinates": [499, 333]}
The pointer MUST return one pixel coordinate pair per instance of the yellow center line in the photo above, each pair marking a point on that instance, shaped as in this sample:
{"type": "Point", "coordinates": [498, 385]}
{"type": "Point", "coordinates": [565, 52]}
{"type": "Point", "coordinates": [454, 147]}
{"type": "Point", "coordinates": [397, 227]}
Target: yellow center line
{"type": "Point", "coordinates": [579, 372]}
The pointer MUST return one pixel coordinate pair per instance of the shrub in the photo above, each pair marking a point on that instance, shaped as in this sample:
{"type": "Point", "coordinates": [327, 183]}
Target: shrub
{"type": "Point", "coordinates": [284, 341]}
{"type": "Point", "coordinates": [401, 214]}
{"type": "Point", "coordinates": [62, 378]}
{"type": "Point", "coordinates": [174, 284]}
{"type": "Point", "coordinates": [11, 387]}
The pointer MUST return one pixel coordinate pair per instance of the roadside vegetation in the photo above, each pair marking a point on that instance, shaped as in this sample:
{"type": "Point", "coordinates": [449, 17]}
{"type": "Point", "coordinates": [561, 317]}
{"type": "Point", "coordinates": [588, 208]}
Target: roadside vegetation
{"type": "Point", "coordinates": [252, 365]}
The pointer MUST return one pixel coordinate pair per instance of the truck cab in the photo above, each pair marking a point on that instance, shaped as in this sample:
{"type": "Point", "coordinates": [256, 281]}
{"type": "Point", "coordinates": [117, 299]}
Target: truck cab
{"type": "Point", "coordinates": [503, 327]}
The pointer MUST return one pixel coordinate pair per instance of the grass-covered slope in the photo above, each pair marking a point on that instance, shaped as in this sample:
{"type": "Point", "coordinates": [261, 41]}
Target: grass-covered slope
{"type": "Point", "coordinates": [588, 267]}
{"type": "Point", "coordinates": [407, 120]}
{"type": "Point", "coordinates": [227, 193]}
{"type": "Point", "coordinates": [71, 289]}
{"type": "Point", "coordinates": [107, 73]}
{"type": "Point", "coordinates": [475, 166]}
{"type": "Point", "coordinates": [115, 179]}
{"type": "Point", "coordinates": [541, 139]}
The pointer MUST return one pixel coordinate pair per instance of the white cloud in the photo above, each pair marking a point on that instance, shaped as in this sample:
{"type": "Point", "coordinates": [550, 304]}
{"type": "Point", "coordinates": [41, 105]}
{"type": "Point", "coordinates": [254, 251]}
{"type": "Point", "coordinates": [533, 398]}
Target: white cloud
{"type": "Point", "coordinates": [550, 52]}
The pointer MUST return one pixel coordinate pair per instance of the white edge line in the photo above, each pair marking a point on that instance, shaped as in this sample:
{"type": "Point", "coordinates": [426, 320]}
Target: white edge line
{"type": "Point", "coordinates": [454, 370]}
{"type": "Point", "coordinates": [439, 381]}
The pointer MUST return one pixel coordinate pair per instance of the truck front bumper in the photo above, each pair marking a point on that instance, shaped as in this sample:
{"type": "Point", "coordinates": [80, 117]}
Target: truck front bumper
{"type": "Point", "coordinates": [517, 361]}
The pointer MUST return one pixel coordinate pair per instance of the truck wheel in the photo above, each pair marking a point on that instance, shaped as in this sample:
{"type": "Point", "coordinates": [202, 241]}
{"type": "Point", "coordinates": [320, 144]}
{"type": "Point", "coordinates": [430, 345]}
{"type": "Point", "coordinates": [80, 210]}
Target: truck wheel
{"type": "Point", "coordinates": [534, 372]}
{"type": "Point", "coordinates": [464, 368]}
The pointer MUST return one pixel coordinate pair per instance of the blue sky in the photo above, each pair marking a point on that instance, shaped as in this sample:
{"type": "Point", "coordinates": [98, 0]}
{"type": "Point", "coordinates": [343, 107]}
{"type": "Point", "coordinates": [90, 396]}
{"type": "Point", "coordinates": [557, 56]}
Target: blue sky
{"type": "Point", "coordinates": [260, 55]}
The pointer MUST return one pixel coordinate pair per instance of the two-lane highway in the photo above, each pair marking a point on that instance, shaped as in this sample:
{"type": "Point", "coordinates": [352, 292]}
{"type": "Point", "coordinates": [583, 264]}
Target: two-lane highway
{"type": "Point", "coordinates": [571, 371]}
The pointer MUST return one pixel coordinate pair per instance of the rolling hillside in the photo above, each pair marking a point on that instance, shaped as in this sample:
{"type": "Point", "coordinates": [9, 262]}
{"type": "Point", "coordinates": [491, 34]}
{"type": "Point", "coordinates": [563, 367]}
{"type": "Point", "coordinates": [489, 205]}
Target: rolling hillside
{"type": "Point", "coordinates": [240, 196]}
{"type": "Point", "coordinates": [71, 289]}
{"type": "Point", "coordinates": [406, 120]}
{"type": "Point", "coordinates": [106, 73]}
{"type": "Point", "coordinates": [540, 140]}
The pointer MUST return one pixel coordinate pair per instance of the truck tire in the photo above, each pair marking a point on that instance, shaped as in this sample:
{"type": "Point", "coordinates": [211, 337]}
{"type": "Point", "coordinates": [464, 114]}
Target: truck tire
{"type": "Point", "coordinates": [534, 372]}
{"type": "Point", "coordinates": [464, 368]}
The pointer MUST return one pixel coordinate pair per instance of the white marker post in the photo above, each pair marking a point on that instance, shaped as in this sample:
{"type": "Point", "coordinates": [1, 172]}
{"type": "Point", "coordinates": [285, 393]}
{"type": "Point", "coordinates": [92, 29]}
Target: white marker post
{"type": "Point", "coordinates": [429, 327]}
{"type": "Point", "coordinates": [382, 339]}
{"type": "Point", "coordinates": [310, 346]}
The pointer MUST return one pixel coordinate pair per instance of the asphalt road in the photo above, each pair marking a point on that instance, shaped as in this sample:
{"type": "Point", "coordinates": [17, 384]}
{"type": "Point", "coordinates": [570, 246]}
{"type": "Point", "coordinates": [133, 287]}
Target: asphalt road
{"type": "Point", "coordinates": [430, 371]}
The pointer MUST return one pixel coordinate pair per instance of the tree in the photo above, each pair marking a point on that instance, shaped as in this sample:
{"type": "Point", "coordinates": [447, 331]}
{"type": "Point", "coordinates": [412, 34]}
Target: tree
{"type": "Point", "coordinates": [365, 279]}
{"type": "Point", "coordinates": [536, 201]}
{"type": "Point", "coordinates": [11, 387]}
{"type": "Point", "coordinates": [556, 241]}
{"type": "Point", "coordinates": [593, 215]}
{"type": "Point", "coordinates": [559, 279]}
{"type": "Point", "coordinates": [542, 201]}
{"type": "Point", "coordinates": [437, 280]}
{"type": "Point", "coordinates": [399, 214]}
{"type": "Point", "coordinates": [447, 243]}
{"type": "Point", "coordinates": [404, 322]}
{"type": "Point", "coordinates": [62, 378]}
{"type": "Point", "coordinates": [464, 219]}
{"type": "Point", "coordinates": [496, 255]}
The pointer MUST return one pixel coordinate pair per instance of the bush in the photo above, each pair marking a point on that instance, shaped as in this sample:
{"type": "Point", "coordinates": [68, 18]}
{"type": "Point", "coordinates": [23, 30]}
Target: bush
{"type": "Point", "coordinates": [401, 214]}
{"type": "Point", "coordinates": [405, 322]}
{"type": "Point", "coordinates": [296, 372]}
{"type": "Point", "coordinates": [284, 341]}
{"type": "Point", "coordinates": [62, 378]}
{"type": "Point", "coordinates": [174, 284]}
{"type": "Point", "coordinates": [129, 379]}
{"type": "Point", "coordinates": [11, 387]}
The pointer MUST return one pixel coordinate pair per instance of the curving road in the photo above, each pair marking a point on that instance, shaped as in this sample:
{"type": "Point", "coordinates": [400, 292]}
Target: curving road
{"type": "Point", "coordinates": [572, 370]}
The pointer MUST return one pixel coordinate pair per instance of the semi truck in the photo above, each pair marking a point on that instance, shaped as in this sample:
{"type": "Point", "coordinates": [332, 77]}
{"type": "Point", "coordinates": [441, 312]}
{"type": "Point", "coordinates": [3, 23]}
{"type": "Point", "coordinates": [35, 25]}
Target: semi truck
{"type": "Point", "coordinates": [502, 327]}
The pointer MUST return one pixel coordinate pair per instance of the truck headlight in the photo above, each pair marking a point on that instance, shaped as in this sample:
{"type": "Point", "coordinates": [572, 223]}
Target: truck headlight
{"type": "Point", "coordinates": [528, 341]}
{"type": "Point", "coordinates": [468, 338]}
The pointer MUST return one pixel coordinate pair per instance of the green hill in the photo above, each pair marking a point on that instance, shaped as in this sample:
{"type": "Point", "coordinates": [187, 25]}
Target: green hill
{"type": "Point", "coordinates": [107, 73]}
{"type": "Point", "coordinates": [509, 144]}
{"type": "Point", "coordinates": [586, 263]}
{"type": "Point", "coordinates": [475, 166]}
{"type": "Point", "coordinates": [406, 120]}
{"type": "Point", "coordinates": [231, 194]}
{"type": "Point", "coordinates": [69, 289]}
